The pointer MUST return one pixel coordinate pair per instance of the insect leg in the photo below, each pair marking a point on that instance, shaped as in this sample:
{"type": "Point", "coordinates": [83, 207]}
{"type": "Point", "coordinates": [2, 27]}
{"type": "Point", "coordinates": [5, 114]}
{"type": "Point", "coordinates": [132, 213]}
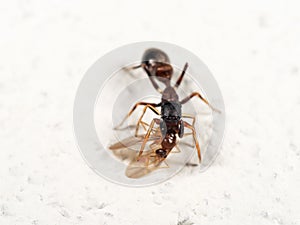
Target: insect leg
{"type": "Point", "coordinates": [178, 82]}
{"type": "Point", "coordinates": [132, 110]}
{"type": "Point", "coordinates": [128, 69]}
{"type": "Point", "coordinates": [177, 149]}
{"type": "Point", "coordinates": [141, 117]}
{"type": "Point", "coordinates": [185, 100]}
{"type": "Point", "coordinates": [186, 124]}
{"type": "Point", "coordinates": [184, 115]}
{"type": "Point", "coordinates": [166, 164]}
{"type": "Point", "coordinates": [155, 120]}
{"type": "Point", "coordinates": [144, 124]}
{"type": "Point", "coordinates": [151, 77]}
{"type": "Point", "coordinates": [132, 67]}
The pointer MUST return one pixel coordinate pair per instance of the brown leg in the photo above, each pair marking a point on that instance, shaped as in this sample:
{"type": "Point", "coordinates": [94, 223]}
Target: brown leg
{"type": "Point", "coordinates": [155, 85]}
{"type": "Point", "coordinates": [144, 124]}
{"type": "Point", "coordinates": [178, 82]}
{"type": "Point", "coordinates": [133, 108]}
{"type": "Point", "coordinates": [157, 142]}
{"type": "Point", "coordinates": [141, 117]}
{"type": "Point", "coordinates": [132, 67]}
{"type": "Point", "coordinates": [177, 150]}
{"type": "Point", "coordinates": [152, 155]}
{"type": "Point", "coordinates": [157, 121]}
{"type": "Point", "coordinates": [185, 100]}
{"type": "Point", "coordinates": [128, 69]}
{"type": "Point", "coordinates": [143, 65]}
{"type": "Point", "coordinates": [189, 116]}
{"type": "Point", "coordinates": [164, 161]}
{"type": "Point", "coordinates": [186, 124]}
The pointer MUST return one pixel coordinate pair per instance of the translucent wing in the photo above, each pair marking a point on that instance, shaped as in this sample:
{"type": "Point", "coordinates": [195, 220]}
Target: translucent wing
{"type": "Point", "coordinates": [147, 163]}
{"type": "Point", "coordinates": [131, 141]}
{"type": "Point", "coordinates": [127, 149]}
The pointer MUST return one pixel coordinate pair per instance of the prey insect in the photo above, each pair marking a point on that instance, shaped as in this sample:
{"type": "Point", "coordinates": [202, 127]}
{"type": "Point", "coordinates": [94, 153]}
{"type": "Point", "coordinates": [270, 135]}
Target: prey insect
{"type": "Point", "coordinates": [151, 159]}
{"type": "Point", "coordinates": [157, 66]}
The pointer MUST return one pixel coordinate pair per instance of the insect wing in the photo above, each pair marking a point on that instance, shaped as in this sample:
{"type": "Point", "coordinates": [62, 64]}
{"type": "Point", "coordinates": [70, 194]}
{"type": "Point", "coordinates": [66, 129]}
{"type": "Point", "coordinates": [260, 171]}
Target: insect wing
{"type": "Point", "coordinates": [146, 164]}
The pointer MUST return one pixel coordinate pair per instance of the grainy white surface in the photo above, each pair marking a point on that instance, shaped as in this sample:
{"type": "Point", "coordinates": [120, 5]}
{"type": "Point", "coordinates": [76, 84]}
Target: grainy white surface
{"type": "Point", "coordinates": [252, 48]}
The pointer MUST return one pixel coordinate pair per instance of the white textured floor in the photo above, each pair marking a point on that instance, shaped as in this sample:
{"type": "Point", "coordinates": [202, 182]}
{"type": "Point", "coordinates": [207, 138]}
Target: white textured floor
{"type": "Point", "coordinates": [252, 48]}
